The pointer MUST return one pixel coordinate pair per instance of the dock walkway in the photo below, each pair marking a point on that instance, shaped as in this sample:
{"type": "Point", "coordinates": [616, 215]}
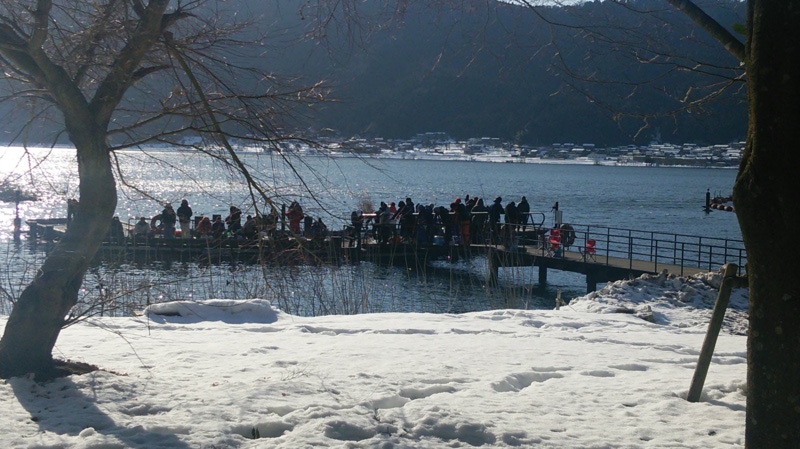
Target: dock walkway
{"type": "Point", "coordinates": [620, 253]}
{"type": "Point", "coordinates": [597, 270]}
{"type": "Point", "coordinates": [617, 253]}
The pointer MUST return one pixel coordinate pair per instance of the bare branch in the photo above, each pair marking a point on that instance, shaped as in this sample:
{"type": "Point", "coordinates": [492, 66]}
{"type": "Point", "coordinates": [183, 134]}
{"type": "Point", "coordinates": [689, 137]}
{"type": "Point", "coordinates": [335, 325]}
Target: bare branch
{"type": "Point", "coordinates": [119, 79]}
{"type": "Point", "coordinates": [714, 28]}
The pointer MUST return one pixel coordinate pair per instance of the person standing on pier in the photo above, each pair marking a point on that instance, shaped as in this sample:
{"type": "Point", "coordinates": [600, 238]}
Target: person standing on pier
{"type": "Point", "coordinates": [204, 228]}
{"type": "Point", "coordinates": [478, 215]}
{"type": "Point", "coordinates": [382, 228]}
{"type": "Point", "coordinates": [523, 210]}
{"type": "Point", "coordinates": [425, 225]}
{"type": "Point", "coordinates": [470, 203]}
{"type": "Point", "coordinates": [357, 222]}
{"type": "Point", "coordinates": [141, 228]}
{"type": "Point", "coordinates": [295, 214]}
{"type": "Point", "coordinates": [495, 211]}
{"type": "Point", "coordinates": [462, 218]}
{"type": "Point", "coordinates": [410, 205]}
{"type": "Point", "coordinates": [511, 222]}
{"type": "Point", "coordinates": [168, 220]}
{"type": "Point", "coordinates": [444, 220]}
{"type": "Point", "coordinates": [184, 218]}
{"type": "Point", "coordinates": [234, 220]}
{"type": "Point", "coordinates": [116, 235]}
{"type": "Point", "coordinates": [318, 230]}
{"type": "Point", "coordinates": [217, 227]}
{"type": "Point", "coordinates": [250, 228]}
{"type": "Point", "coordinates": [405, 215]}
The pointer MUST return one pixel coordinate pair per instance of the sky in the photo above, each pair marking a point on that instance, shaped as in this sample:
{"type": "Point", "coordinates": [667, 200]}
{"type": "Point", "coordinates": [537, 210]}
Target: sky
{"type": "Point", "coordinates": [609, 370]}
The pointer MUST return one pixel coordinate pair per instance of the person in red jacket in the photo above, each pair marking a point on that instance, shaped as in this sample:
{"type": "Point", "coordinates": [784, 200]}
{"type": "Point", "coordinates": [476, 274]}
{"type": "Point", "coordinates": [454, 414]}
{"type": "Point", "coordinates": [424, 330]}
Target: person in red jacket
{"type": "Point", "coordinates": [295, 215]}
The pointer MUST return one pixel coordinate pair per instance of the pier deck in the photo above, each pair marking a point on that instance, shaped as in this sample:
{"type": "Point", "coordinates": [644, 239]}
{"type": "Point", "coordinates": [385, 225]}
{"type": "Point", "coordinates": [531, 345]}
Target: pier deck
{"type": "Point", "coordinates": [601, 268]}
{"type": "Point", "coordinates": [619, 253]}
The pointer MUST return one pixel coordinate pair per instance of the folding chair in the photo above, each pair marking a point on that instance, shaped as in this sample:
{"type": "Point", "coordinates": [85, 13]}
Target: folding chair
{"type": "Point", "coordinates": [589, 251]}
{"type": "Point", "coordinates": [554, 243]}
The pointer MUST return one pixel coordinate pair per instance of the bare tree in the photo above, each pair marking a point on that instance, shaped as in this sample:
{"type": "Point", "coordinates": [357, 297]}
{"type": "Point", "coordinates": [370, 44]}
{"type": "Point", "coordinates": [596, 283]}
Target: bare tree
{"type": "Point", "coordinates": [765, 189]}
{"type": "Point", "coordinates": [116, 74]}
{"type": "Point", "coordinates": [765, 195]}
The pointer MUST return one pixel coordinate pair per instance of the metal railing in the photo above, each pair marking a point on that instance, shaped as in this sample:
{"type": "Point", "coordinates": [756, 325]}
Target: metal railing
{"type": "Point", "coordinates": [659, 249]}
{"type": "Point", "coordinates": [656, 250]}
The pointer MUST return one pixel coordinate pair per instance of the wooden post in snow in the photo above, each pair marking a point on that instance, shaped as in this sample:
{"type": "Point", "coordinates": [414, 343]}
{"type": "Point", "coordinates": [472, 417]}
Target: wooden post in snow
{"type": "Point", "coordinates": [703, 362]}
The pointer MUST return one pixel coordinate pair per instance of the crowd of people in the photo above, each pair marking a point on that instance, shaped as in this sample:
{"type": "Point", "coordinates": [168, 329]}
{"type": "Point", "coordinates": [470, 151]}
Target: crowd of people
{"type": "Point", "coordinates": [163, 225]}
{"type": "Point", "coordinates": [462, 222]}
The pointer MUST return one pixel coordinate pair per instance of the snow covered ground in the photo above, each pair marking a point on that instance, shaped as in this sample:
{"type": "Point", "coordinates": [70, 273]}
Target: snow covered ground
{"type": "Point", "coordinates": [240, 374]}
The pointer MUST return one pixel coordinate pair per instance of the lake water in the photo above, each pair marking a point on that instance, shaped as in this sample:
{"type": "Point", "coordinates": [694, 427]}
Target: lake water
{"type": "Point", "coordinates": [643, 198]}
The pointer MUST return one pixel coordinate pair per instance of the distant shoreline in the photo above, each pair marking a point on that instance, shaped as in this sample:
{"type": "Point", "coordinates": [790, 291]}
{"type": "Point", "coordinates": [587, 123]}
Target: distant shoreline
{"type": "Point", "coordinates": [435, 157]}
{"type": "Point", "coordinates": [538, 161]}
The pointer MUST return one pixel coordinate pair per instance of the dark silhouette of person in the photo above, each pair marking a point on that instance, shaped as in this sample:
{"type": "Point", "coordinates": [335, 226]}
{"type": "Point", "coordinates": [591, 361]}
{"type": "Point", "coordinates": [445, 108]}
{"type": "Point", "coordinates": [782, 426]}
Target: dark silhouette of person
{"type": "Point", "coordinates": [168, 220]}
{"type": "Point", "coordinates": [523, 210]}
{"type": "Point", "coordinates": [184, 213]}
{"type": "Point", "coordinates": [495, 211]}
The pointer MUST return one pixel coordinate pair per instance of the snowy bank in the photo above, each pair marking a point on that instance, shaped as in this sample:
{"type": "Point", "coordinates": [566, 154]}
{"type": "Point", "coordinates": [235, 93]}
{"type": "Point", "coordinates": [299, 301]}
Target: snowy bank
{"type": "Point", "coordinates": [669, 300]}
{"type": "Point", "coordinates": [241, 374]}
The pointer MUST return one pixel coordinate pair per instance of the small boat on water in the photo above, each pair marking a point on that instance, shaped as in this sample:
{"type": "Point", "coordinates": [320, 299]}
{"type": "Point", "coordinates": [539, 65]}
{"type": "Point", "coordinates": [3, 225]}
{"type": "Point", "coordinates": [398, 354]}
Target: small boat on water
{"type": "Point", "coordinates": [719, 202]}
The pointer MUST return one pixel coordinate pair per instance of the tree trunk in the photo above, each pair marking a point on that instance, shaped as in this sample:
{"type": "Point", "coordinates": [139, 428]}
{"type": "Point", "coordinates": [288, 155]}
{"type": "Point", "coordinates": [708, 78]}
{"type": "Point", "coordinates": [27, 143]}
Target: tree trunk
{"type": "Point", "coordinates": [765, 195]}
{"type": "Point", "coordinates": [37, 317]}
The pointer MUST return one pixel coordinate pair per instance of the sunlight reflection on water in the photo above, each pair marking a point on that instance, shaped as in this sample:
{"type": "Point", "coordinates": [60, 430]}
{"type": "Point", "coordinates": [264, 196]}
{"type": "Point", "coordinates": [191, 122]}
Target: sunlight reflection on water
{"type": "Point", "coordinates": [648, 198]}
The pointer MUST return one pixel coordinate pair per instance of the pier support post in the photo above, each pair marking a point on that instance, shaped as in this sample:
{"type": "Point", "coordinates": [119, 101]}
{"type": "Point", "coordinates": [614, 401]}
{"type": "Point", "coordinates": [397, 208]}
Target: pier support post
{"type": "Point", "coordinates": [17, 220]}
{"type": "Point", "coordinates": [493, 268]}
{"type": "Point", "coordinates": [591, 282]}
{"type": "Point", "coordinates": [542, 275]}
{"type": "Point", "coordinates": [17, 228]}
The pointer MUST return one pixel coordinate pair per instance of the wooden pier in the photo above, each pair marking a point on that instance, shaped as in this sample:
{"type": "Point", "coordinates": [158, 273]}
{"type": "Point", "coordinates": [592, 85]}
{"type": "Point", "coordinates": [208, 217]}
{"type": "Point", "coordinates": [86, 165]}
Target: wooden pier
{"type": "Point", "coordinates": [596, 271]}
{"type": "Point", "coordinates": [618, 253]}
{"type": "Point", "coordinates": [615, 253]}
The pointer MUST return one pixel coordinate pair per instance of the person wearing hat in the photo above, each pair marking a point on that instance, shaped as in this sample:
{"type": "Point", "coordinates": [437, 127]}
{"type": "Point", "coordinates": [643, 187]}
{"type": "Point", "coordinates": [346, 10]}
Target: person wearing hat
{"type": "Point", "coordinates": [141, 228]}
{"type": "Point", "coordinates": [168, 220]}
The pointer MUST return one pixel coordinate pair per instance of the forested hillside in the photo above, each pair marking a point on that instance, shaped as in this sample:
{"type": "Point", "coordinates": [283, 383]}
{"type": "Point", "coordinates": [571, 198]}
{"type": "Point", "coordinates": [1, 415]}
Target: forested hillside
{"type": "Point", "coordinates": [501, 73]}
{"type": "Point", "coordinates": [491, 69]}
